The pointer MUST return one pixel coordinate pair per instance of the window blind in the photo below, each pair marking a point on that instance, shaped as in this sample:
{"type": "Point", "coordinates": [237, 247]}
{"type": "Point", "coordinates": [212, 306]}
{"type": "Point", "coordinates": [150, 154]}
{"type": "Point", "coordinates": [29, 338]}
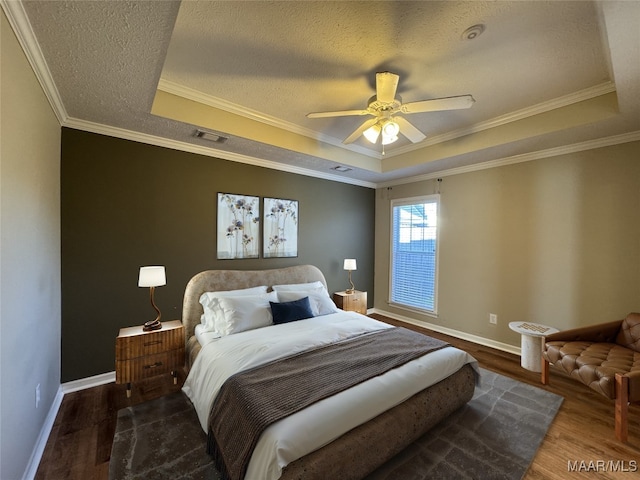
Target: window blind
{"type": "Point", "coordinates": [414, 243]}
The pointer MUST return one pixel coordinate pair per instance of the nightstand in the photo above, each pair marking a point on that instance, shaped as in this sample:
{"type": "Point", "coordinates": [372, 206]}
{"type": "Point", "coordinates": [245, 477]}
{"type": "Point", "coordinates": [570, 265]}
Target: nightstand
{"type": "Point", "coordinates": [351, 302]}
{"type": "Point", "coordinates": [141, 354]}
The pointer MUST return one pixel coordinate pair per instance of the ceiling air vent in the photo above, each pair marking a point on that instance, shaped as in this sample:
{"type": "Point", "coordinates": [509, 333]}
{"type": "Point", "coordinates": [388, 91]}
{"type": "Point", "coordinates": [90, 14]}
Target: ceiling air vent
{"type": "Point", "coordinates": [210, 136]}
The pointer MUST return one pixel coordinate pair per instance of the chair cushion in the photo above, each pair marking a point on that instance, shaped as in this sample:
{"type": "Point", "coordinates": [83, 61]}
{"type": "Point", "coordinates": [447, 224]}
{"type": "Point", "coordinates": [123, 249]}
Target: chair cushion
{"type": "Point", "coordinates": [629, 335]}
{"type": "Point", "coordinates": [595, 364]}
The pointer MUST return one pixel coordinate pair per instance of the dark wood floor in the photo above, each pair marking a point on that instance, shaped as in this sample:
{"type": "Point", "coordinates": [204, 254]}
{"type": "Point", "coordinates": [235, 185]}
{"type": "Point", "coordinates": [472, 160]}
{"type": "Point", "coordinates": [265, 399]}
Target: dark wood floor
{"type": "Point", "coordinates": [79, 446]}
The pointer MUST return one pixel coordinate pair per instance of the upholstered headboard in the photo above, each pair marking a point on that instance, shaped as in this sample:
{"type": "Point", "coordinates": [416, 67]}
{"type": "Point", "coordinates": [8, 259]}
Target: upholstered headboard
{"type": "Point", "coordinates": [218, 280]}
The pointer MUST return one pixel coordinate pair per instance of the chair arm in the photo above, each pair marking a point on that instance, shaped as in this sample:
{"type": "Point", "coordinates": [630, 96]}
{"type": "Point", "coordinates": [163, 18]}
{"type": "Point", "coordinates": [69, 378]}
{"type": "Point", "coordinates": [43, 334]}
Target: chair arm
{"type": "Point", "coordinates": [602, 332]}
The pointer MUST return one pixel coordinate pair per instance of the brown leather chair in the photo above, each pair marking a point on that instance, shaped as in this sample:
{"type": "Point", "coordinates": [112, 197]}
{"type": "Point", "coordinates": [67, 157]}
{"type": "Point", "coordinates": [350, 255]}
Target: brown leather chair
{"type": "Point", "coordinates": [605, 357]}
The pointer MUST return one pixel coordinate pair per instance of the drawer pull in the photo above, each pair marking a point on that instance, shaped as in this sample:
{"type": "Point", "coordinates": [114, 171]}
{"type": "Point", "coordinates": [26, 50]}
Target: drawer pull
{"type": "Point", "coordinates": [157, 364]}
{"type": "Point", "coordinates": [156, 342]}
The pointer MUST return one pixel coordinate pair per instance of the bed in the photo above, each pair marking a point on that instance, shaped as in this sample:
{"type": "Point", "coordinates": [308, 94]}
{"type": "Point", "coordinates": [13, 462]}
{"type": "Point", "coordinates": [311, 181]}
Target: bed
{"type": "Point", "coordinates": [347, 435]}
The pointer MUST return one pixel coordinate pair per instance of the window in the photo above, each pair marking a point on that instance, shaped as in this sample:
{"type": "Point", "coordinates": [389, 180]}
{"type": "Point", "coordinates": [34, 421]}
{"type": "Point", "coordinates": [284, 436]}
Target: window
{"type": "Point", "coordinates": [414, 244]}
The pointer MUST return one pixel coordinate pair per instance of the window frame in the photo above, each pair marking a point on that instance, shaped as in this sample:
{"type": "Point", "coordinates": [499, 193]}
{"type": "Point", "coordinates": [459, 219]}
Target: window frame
{"type": "Point", "coordinates": [398, 202]}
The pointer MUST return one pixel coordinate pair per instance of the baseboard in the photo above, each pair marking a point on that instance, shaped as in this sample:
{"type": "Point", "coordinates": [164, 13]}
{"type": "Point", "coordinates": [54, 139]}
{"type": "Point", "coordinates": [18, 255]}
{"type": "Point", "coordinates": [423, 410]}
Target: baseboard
{"type": "Point", "coordinates": [41, 443]}
{"type": "Point", "coordinates": [68, 387]}
{"type": "Point", "coordinates": [88, 382]}
{"type": "Point", "coordinates": [487, 342]}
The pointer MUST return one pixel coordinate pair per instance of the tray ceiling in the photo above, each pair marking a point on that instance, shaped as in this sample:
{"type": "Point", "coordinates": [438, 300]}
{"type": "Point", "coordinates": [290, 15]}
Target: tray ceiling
{"type": "Point", "coordinates": [547, 77]}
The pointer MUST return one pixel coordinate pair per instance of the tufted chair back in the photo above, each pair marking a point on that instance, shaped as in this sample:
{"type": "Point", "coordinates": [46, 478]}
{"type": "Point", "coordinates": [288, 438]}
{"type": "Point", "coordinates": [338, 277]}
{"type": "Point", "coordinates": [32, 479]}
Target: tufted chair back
{"type": "Point", "coordinates": [629, 335]}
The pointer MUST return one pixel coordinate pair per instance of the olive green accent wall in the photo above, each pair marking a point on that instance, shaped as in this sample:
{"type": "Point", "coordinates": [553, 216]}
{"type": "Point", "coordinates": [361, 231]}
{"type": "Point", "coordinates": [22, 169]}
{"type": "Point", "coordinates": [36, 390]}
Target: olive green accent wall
{"type": "Point", "coordinates": [553, 241]}
{"type": "Point", "coordinates": [126, 204]}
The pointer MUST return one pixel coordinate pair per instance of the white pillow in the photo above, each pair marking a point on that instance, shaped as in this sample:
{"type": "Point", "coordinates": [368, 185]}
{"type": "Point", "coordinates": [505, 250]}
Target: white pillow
{"type": "Point", "coordinates": [245, 312]}
{"type": "Point", "coordinates": [206, 296]}
{"type": "Point", "coordinates": [319, 300]}
{"type": "Point", "coordinates": [209, 302]}
{"type": "Point", "coordinates": [299, 286]}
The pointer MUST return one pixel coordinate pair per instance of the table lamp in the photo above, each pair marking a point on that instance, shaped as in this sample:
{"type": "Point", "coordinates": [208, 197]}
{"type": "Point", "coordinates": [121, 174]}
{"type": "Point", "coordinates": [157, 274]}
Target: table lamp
{"type": "Point", "coordinates": [350, 264]}
{"type": "Point", "coordinates": [152, 277]}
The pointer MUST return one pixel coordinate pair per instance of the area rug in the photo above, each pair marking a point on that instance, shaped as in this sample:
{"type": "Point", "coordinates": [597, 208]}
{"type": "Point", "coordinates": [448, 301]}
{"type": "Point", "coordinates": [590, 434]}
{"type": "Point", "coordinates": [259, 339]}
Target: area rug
{"type": "Point", "coordinates": [160, 440]}
{"type": "Point", "coordinates": [495, 436]}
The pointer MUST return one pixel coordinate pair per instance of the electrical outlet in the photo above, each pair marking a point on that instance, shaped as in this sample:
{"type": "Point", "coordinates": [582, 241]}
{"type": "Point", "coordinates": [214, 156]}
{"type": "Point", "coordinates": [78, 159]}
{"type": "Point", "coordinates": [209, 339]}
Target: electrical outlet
{"type": "Point", "coordinates": [37, 395]}
{"type": "Point", "coordinates": [493, 318]}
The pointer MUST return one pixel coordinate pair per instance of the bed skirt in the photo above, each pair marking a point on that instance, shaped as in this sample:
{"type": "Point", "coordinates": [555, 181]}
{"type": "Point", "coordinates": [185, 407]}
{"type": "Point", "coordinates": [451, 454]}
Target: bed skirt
{"type": "Point", "coordinates": [361, 450]}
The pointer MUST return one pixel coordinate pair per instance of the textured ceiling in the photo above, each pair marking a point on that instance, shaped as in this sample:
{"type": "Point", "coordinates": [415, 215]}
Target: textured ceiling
{"type": "Point", "coordinates": [546, 77]}
{"type": "Point", "coordinates": [312, 56]}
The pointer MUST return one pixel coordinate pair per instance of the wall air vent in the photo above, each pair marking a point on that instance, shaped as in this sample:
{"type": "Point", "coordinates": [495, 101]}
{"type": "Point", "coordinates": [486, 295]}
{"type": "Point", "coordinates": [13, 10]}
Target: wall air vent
{"type": "Point", "coordinates": [210, 136]}
{"type": "Point", "coordinates": [340, 168]}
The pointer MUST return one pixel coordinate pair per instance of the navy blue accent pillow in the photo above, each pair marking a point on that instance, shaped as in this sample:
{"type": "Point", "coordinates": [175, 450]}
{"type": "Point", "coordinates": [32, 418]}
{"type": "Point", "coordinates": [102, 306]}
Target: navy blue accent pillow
{"type": "Point", "coordinates": [286, 312]}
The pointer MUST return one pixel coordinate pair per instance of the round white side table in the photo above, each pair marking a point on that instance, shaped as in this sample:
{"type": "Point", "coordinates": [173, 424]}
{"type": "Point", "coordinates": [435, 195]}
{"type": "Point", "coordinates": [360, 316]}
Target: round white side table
{"type": "Point", "coordinates": [531, 343]}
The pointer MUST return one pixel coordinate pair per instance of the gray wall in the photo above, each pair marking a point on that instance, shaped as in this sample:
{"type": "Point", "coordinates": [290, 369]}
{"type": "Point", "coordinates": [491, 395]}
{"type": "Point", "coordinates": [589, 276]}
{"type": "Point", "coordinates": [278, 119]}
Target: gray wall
{"type": "Point", "coordinates": [554, 241]}
{"type": "Point", "coordinates": [127, 204]}
{"type": "Point", "coordinates": [29, 257]}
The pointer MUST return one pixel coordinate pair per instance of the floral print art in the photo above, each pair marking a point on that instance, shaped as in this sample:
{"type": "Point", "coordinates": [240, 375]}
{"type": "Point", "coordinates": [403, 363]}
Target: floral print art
{"type": "Point", "coordinates": [238, 226]}
{"type": "Point", "coordinates": [280, 228]}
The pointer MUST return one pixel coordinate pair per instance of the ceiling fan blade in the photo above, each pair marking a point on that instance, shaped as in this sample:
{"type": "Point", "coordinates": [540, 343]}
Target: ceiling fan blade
{"type": "Point", "coordinates": [438, 104]}
{"type": "Point", "coordinates": [386, 85]}
{"type": "Point", "coordinates": [360, 130]}
{"type": "Point", "coordinates": [409, 131]}
{"type": "Point", "coordinates": [343, 113]}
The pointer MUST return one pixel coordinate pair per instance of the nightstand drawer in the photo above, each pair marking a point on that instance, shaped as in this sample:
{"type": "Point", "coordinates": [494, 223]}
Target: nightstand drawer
{"type": "Point", "coordinates": [149, 366]}
{"type": "Point", "coordinates": [150, 343]}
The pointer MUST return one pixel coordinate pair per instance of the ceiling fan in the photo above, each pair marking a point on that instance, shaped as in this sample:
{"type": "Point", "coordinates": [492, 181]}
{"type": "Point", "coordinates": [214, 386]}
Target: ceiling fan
{"type": "Point", "coordinates": [386, 107]}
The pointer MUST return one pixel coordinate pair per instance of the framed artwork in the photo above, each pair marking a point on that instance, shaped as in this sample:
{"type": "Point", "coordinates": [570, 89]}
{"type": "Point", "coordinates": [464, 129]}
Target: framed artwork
{"type": "Point", "coordinates": [280, 228]}
{"type": "Point", "coordinates": [238, 226]}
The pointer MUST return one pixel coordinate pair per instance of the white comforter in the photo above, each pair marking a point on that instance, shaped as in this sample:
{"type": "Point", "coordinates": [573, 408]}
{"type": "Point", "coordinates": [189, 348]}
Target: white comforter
{"type": "Point", "coordinates": [299, 434]}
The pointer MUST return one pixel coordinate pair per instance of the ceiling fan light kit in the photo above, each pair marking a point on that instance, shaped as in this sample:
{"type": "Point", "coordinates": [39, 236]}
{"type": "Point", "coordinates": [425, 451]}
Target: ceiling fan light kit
{"type": "Point", "coordinates": [390, 129]}
{"type": "Point", "coordinates": [388, 140]}
{"type": "Point", "coordinates": [385, 104]}
{"type": "Point", "coordinates": [372, 133]}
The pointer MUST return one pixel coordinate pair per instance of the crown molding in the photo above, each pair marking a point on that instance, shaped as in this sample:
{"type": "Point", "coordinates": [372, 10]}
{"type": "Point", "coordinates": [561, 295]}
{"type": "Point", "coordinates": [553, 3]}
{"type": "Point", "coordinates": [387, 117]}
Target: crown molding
{"type": "Point", "coordinates": [559, 102]}
{"type": "Point", "coordinates": [17, 17]}
{"type": "Point", "coordinates": [525, 157]}
{"type": "Point", "coordinates": [21, 26]}
{"type": "Point", "coordinates": [207, 151]}
{"type": "Point", "coordinates": [197, 96]}
{"type": "Point", "coordinates": [234, 157]}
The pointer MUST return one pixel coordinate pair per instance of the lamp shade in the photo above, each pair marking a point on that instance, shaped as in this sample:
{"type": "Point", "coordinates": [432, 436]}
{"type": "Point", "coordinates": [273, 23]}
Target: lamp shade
{"type": "Point", "coordinates": [387, 140]}
{"type": "Point", "coordinates": [350, 264]}
{"type": "Point", "coordinates": [390, 132]}
{"type": "Point", "coordinates": [152, 277]}
{"type": "Point", "coordinates": [391, 129]}
{"type": "Point", "coordinates": [372, 133]}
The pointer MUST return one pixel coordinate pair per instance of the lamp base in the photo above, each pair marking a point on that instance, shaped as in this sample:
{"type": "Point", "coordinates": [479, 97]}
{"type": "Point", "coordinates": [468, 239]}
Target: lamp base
{"type": "Point", "coordinates": [349, 291]}
{"type": "Point", "coordinates": [152, 325]}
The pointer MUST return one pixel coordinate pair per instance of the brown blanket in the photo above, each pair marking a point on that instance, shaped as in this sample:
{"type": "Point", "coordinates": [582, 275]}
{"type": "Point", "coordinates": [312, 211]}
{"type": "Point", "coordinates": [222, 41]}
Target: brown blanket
{"type": "Point", "coordinates": [250, 401]}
